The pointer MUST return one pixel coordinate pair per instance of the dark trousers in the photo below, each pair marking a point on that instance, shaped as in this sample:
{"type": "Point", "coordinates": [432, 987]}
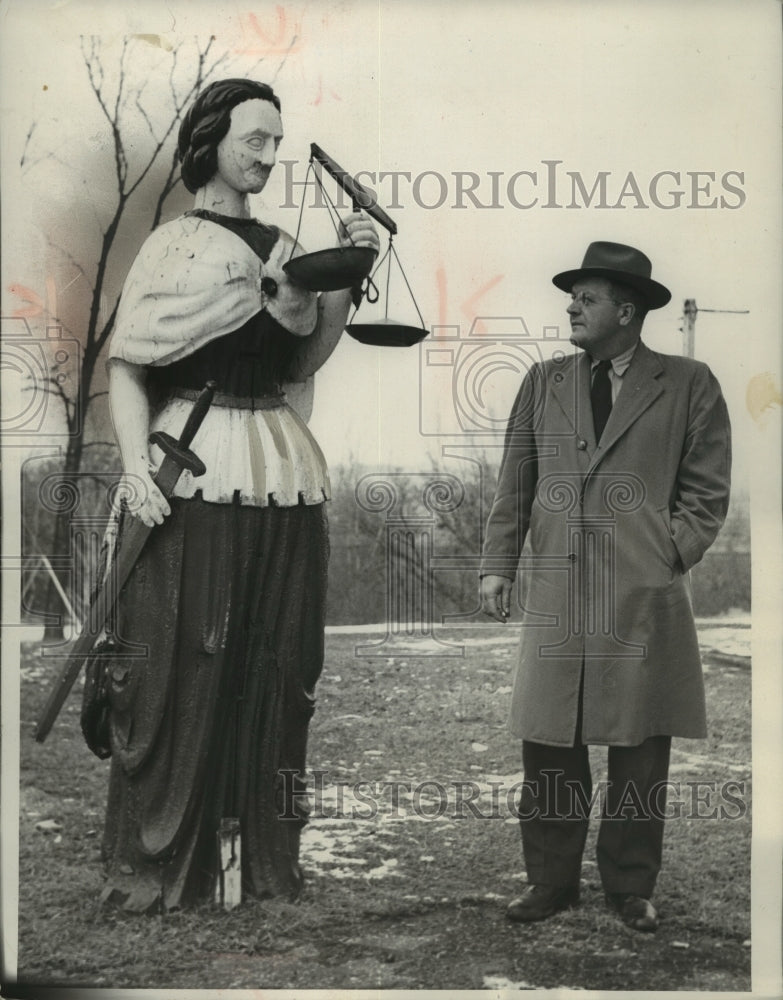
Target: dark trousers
{"type": "Point", "coordinates": [556, 802]}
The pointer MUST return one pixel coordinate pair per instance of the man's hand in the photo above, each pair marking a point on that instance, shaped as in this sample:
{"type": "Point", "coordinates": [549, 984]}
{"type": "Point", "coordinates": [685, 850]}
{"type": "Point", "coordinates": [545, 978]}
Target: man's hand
{"type": "Point", "coordinates": [495, 592]}
{"type": "Point", "coordinates": [358, 229]}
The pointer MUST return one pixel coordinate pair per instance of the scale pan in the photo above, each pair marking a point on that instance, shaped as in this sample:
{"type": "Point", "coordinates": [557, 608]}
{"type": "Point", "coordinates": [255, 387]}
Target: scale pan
{"type": "Point", "coordinates": [328, 270]}
{"type": "Point", "coordinates": [386, 333]}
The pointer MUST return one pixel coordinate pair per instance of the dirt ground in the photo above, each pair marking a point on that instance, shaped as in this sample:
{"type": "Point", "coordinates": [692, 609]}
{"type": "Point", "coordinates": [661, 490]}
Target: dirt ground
{"type": "Point", "coordinates": [412, 850]}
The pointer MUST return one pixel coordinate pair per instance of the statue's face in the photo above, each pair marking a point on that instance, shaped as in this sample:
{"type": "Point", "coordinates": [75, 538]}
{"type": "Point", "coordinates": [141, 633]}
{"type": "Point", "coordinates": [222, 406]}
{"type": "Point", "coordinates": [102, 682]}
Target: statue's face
{"type": "Point", "coordinates": [247, 153]}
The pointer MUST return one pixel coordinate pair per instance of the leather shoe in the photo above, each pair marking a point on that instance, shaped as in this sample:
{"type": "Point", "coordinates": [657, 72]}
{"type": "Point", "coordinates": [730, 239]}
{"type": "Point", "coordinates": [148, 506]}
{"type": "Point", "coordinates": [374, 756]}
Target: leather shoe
{"type": "Point", "coordinates": [538, 902]}
{"type": "Point", "coordinates": [635, 912]}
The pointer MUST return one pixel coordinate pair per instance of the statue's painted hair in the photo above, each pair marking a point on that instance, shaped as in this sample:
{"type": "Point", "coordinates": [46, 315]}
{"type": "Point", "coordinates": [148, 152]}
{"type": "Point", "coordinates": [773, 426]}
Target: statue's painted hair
{"type": "Point", "coordinates": [207, 122]}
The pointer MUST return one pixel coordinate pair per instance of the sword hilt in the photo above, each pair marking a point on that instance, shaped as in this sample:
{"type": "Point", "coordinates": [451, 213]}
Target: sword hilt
{"type": "Point", "coordinates": [184, 457]}
{"type": "Point", "coordinates": [180, 450]}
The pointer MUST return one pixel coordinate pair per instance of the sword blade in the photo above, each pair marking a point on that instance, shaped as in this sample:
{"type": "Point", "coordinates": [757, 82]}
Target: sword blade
{"type": "Point", "coordinates": [134, 536]}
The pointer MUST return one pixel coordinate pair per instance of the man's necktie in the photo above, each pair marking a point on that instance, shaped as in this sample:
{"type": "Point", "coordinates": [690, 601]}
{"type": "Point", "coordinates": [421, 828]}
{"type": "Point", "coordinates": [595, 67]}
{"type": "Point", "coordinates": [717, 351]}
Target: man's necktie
{"type": "Point", "coordinates": [601, 397]}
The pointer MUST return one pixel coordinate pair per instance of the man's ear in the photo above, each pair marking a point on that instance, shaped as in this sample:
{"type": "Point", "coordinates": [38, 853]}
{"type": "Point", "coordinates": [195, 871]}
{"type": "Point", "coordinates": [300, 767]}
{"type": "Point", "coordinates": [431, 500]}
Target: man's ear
{"type": "Point", "coordinates": [627, 313]}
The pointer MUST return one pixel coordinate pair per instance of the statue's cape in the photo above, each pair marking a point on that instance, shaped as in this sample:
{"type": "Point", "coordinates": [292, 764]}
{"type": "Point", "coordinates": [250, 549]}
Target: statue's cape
{"type": "Point", "coordinates": [193, 281]}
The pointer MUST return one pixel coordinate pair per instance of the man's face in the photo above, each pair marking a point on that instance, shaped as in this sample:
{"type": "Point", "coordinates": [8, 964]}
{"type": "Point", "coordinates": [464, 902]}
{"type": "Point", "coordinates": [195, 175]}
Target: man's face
{"type": "Point", "coordinates": [247, 153]}
{"type": "Point", "coordinates": [597, 324]}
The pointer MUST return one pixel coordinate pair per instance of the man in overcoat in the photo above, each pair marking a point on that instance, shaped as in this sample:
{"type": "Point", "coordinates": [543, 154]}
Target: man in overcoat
{"type": "Point", "coordinates": [614, 483]}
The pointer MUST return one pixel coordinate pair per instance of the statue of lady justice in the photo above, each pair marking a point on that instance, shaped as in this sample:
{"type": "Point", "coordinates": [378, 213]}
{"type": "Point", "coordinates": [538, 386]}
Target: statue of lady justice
{"type": "Point", "coordinates": [228, 595]}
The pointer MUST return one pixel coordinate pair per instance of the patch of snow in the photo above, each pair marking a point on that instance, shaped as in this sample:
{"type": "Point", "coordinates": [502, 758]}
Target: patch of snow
{"type": "Point", "coordinates": [335, 849]}
{"type": "Point", "coordinates": [377, 629]}
{"type": "Point", "coordinates": [501, 983]}
{"type": "Point", "coordinates": [48, 826]}
{"type": "Point", "coordinates": [413, 818]}
{"type": "Point", "coordinates": [742, 620]}
{"type": "Point", "coordinates": [384, 869]}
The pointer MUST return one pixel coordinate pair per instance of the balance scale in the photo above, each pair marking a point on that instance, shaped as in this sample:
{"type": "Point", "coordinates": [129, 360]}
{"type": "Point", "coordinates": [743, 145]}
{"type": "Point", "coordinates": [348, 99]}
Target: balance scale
{"type": "Point", "coordinates": [345, 267]}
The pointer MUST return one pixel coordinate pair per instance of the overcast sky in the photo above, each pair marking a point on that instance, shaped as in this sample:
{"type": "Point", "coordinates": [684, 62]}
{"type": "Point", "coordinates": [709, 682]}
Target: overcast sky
{"type": "Point", "coordinates": [532, 103]}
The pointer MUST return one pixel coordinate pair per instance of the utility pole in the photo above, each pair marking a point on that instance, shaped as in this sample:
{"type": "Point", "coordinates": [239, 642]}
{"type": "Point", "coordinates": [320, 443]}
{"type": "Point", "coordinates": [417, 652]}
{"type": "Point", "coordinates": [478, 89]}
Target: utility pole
{"type": "Point", "coordinates": [689, 312]}
{"type": "Point", "coordinates": [688, 329]}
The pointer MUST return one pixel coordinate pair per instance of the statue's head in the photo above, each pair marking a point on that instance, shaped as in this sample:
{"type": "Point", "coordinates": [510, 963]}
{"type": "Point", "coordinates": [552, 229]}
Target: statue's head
{"type": "Point", "coordinates": [207, 122]}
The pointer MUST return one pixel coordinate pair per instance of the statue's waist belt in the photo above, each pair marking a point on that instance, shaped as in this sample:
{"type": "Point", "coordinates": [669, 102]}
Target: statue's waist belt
{"type": "Point", "coordinates": [236, 402]}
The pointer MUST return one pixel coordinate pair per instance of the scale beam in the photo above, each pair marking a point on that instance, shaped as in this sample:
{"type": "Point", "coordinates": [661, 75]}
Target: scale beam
{"type": "Point", "coordinates": [360, 195]}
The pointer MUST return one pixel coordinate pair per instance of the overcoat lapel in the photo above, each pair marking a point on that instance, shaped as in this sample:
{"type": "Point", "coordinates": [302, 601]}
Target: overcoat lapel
{"type": "Point", "coordinates": [571, 388]}
{"type": "Point", "coordinates": [572, 391]}
{"type": "Point", "coordinates": [640, 389]}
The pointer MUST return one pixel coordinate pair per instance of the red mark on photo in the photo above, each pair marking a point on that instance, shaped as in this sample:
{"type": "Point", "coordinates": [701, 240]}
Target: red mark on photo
{"type": "Point", "coordinates": [36, 306]}
{"type": "Point", "coordinates": [468, 308]}
{"type": "Point", "coordinates": [280, 34]}
{"type": "Point", "coordinates": [319, 96]}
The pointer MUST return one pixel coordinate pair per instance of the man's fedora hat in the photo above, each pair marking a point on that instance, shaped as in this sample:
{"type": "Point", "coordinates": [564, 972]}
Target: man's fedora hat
{"type": "Point", "coordinates": [617, 262]}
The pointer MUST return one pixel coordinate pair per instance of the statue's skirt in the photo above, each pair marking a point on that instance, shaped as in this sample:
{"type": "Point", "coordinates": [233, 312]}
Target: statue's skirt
{"type": "Point", "coordinates": [222, 624]}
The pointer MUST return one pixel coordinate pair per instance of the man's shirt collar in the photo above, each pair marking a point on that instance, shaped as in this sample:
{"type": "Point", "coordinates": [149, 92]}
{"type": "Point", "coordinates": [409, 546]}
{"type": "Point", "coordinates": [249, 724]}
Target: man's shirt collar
{"type": "Point", "coordinates": [620, 363]}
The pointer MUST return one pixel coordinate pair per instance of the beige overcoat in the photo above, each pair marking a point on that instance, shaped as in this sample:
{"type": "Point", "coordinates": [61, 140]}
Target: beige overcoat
{"type": "Point", "coordinates": [607, 535]}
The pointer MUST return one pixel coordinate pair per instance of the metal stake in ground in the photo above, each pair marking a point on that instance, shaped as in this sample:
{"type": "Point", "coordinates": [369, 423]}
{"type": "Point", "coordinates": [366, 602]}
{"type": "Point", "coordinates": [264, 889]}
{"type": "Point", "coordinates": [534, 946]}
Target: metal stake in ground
{"type": "Point", "coordinates": [228, 884]}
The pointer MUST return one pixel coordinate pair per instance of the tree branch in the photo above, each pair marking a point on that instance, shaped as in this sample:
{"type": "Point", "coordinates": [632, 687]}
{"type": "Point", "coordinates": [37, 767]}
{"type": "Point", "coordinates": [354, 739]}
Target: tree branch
{"type": "Point", "coordinates": [171, 181]}
{"type": "Point", "coordinates": [118, 105]}
{"type": "Point", "coordinates": [52, 388]}
{"type": "Point", "coordinates": [143, 112]}
{"type": "Point", "coordinates": [74, 263]}
{"type": "Point", "coordinates": [96, 77]}
{"type": "Point", "coordinates": [108, 326]}
{"type": "Point", "coordinates": [91, 61]}
{"type": "Point", "coordinates": [294, 40]}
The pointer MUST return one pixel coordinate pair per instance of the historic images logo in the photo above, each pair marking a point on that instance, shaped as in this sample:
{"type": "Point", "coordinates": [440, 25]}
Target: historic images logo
{"type": "Point", "coordinates": [548, 185]}
{"type": "Point", "coordinates": [505, 797]}
{"type": "Point", "coordinates": [37, 372]}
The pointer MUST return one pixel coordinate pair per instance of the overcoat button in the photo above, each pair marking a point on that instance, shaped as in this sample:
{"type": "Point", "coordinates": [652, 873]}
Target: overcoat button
{"type": "Point", "coordinates": [572, 556]}
{"type": "Point", "coordinates": [581, 445]}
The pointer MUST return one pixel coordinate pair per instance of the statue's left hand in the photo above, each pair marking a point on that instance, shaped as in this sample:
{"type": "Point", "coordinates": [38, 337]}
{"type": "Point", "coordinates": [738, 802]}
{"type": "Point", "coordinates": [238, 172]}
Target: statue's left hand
{"type": "Point", "coordinates": [358, 229]}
